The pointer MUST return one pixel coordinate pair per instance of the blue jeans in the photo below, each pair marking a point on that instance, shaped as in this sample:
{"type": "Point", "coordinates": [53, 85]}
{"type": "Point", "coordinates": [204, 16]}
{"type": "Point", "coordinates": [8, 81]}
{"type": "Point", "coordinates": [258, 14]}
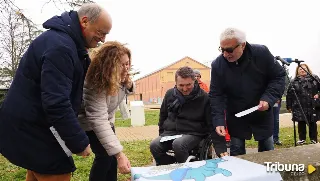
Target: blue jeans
{"type": "Point", "coordinates": [238, 146]}
{"type": "Point", "coordinates": [276, 112]}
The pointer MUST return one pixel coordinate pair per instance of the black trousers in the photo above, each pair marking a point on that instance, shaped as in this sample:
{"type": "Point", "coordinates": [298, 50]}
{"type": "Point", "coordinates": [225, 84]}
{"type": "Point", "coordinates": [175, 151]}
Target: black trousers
{"type": "Point", "coordinates": [181, 147]}
{"type": "Point", "coordinates": [302, 130]}
{"type": "Point", "coordinates": [104, 167]}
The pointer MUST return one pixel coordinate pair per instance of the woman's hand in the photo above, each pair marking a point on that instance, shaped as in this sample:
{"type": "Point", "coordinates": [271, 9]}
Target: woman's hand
{"type": "Point", "coordinates": [123, 163]}
{"type": "Point", "coordinates": [316, 96]}
{"type": "Point", "coordinates": [127, 82]}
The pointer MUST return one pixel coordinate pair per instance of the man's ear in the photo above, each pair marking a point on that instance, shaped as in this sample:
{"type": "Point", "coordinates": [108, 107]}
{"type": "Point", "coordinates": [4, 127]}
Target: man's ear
{"type": "Point", "coordinates": [84, 21]}
{"type": "Point", "coordinates": [243, 45]}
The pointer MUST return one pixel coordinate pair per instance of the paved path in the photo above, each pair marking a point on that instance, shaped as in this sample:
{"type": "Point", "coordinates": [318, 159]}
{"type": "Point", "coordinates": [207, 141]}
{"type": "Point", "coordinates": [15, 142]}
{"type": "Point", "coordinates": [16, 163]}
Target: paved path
{"type": "Point", "coordinates": [137, 133]}
{"type": "Point", "coordinates": [151, 132]}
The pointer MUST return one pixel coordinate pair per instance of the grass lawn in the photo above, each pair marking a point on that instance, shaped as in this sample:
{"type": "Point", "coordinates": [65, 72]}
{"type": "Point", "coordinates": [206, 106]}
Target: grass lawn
{"type": "Point", "coordinates": [151, 117]}
{"type": "Point", "coordinates": [286, 137]}
{"type": "Point", "coordinates": [137, 152]}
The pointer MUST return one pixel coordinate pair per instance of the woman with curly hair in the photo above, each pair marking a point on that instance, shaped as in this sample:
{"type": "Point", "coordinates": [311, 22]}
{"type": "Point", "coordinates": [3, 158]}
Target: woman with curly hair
{"type": "Point", "coordinates": [107, 82]}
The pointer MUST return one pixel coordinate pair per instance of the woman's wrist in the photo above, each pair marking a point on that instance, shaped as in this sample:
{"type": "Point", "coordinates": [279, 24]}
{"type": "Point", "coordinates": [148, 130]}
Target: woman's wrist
{"type": "Point", "coordinates": [129, 85]}
{"type": "Point", "coordinates": [118, 155]}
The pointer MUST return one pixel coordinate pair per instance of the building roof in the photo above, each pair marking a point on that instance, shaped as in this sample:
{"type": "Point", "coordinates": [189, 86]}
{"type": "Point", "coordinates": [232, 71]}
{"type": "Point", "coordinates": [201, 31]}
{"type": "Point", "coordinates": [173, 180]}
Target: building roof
{"type": "Point", "coordinates": [186, 57]}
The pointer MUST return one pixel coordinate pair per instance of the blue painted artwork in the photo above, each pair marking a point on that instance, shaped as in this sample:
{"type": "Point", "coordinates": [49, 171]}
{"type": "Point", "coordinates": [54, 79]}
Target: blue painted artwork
{"type": "Point", "coordinates": [227, 168]}
{"type": "Point", "coordinates": [209, 169]}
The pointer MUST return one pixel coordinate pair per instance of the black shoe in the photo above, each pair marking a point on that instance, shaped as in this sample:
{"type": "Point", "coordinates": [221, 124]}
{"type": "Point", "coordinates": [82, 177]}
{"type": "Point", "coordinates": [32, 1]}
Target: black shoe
{"type": "Point", "coordinates": [277, 143]}
{"type": "Point", "coordinates": [228, 144]}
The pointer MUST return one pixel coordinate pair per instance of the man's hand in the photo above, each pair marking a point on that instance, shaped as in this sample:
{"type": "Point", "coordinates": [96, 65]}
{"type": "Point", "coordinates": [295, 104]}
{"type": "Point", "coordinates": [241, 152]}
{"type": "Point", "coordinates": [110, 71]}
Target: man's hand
{"type": "Point", "coordinates": [221, 131]}
{"type": "Point", "coordinates": [263, 106]}
{"type": "Point", "coordinates": [224, 154]}
{"type": "Point", "coordinates": [123, 163]}
{"type": "Point", "coordinates": [86, 152]}
{"type": "Point", "coordinates": [316, 96]}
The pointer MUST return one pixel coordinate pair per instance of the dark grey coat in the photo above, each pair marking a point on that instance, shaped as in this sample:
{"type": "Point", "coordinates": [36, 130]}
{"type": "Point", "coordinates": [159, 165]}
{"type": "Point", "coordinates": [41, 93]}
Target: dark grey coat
{"type": "Point", "coordinates": [305, 88]}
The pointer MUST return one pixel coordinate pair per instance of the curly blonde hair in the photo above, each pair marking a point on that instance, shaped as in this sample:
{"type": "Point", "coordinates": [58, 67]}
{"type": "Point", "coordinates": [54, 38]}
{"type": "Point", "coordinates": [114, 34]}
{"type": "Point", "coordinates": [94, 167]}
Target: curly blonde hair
{"type": "Point", "coordinates": [104, 72]}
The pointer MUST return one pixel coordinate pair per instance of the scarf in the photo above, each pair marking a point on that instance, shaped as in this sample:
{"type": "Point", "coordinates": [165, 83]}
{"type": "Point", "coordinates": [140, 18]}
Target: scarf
{"type": "Point", "coordinates": [181, 99]}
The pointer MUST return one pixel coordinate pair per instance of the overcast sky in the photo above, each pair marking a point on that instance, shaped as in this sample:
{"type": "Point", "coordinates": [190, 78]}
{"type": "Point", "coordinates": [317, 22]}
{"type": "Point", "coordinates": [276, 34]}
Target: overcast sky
{"type": "Point", "coordinates": [160, 32]}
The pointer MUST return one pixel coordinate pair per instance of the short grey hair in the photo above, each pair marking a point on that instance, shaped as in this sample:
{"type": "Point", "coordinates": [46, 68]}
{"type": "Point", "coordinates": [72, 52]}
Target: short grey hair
{"type": "Point", "coordinates": [231, 33]}
{"type": "Point", "coordinates": [90, 10]}
{"type": "Point", "coordinates": [196, 71]}
{"type": "Point", "coordinates": [185, 72]}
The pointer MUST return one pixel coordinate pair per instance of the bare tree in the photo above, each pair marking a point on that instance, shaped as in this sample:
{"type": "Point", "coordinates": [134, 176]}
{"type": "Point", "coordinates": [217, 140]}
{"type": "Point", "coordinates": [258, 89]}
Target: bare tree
{"type": "Point", "coordinates": [78, 3]}
{"type": "Point", "coordinates": [133, 71]}
{"type": "Point", "coordinates": [67, 4]}
{"type": "Point", "coordinates": [16, 33]}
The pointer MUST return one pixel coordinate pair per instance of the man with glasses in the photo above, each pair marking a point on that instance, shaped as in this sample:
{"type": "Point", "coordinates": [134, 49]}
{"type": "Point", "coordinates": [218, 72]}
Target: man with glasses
{"type": "Point", "coordinates": [244, 76]}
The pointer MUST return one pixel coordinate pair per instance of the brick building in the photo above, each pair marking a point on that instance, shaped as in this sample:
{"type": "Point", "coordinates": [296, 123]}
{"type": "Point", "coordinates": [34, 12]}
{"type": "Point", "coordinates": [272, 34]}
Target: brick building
{"type": "Point", "coordinates": [152, 87]}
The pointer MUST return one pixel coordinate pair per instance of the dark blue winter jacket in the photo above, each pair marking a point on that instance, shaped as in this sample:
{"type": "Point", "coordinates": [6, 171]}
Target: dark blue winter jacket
{"type": "Point", "coordinates": [47, 91]}
{"type": "Point", "coordinates": [237, 86]}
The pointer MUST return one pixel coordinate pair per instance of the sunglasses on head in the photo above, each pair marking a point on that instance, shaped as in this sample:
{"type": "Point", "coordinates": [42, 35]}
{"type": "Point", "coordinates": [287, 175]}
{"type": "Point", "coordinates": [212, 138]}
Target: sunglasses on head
{"type": "Point", "coordinates": [228, 50]}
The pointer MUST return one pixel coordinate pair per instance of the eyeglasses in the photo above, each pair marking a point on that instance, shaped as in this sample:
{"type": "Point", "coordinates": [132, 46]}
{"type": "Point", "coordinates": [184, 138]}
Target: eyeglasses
{"type": "Point", "coordinates": [228, 50]}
